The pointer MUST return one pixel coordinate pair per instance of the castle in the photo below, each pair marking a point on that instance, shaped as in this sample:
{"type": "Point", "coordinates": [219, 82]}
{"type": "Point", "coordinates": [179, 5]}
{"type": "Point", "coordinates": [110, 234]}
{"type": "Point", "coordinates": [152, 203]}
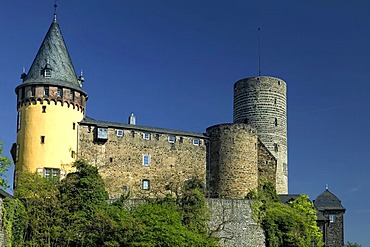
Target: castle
{"type": "Point", "coordinates": [231, 158]}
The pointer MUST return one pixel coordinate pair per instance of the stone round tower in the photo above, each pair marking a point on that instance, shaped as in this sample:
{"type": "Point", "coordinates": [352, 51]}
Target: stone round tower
{"type": "Point", "coordinates": [233, 165]}
{"type": "Point", "coordinates": [261, 102]}
{"type": "Point", "coordinates": [50, 103]}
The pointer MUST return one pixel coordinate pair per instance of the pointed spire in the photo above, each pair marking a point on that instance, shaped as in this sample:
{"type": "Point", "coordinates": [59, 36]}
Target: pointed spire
{"type": "Point", "coordinates": [53, 56]}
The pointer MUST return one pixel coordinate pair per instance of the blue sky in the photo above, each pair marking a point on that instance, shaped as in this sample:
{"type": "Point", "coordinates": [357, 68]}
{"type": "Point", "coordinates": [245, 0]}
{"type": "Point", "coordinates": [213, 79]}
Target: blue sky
{"type": "Point", "coordinates": [174, 64]}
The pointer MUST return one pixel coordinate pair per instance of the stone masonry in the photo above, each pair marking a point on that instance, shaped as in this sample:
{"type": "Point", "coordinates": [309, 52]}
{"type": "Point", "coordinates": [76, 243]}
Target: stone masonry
{"type": "Point", "coordinates": [120, 158]}
{"type": "Point", "coordinates": [231, 221]}
{"type": "Point", "coordinates": [261, 102]}
{"type": "Point", "coordinates": [237, 161]}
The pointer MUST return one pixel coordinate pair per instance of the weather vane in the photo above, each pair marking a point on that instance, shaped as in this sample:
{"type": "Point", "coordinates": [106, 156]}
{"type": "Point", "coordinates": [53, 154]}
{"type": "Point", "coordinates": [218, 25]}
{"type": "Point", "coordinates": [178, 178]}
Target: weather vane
{"type": "Point", "coordinates": [55, 10]}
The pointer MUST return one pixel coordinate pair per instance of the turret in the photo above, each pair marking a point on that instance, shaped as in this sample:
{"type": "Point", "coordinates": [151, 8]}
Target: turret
{"type": "Point", "coordinates": [50, 103]}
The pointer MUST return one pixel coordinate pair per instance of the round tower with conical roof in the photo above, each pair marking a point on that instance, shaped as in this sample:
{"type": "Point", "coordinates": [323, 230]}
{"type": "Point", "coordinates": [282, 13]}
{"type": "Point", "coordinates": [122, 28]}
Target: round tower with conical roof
{"type": "Point", "coordinates": [50, 103]}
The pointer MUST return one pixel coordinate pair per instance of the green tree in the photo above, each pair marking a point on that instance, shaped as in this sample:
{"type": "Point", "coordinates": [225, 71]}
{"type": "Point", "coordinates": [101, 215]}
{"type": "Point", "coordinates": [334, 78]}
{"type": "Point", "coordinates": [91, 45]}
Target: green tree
{"type": "Point", "coordinates": [292, 225]}
{"type": "Point", "coordinates": [5, 163]}
{"type": "Point", "coordinates": [39, 197]}
{"type": "Point", "coordinates": [82, 196]}
{"type": "Point", "coordinates": [350, 244]}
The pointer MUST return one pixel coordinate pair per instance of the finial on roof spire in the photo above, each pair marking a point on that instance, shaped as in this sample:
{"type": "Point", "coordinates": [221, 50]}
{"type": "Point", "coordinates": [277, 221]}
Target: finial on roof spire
{"type": "Point", "coordinates": [326, 186]}
{"type": "Point", "coordinates": [55, 10]}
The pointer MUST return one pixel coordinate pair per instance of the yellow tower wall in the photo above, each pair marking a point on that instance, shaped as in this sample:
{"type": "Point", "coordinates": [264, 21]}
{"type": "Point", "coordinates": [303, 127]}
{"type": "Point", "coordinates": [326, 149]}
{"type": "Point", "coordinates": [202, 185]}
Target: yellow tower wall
{"type": "Point", "coordinates": [58, 125]}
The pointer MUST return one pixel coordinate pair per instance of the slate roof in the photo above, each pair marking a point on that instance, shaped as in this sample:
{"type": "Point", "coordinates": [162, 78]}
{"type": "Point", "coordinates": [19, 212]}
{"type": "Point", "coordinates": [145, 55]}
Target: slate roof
{"type": "Point", "coordinates": [91, 121]}
{"type": "Point", "coordinates": [286, 198]}
{"type": "Point", "coordinates": [53, 54]}
{"type": "Point", "coordinates": [328, 201]}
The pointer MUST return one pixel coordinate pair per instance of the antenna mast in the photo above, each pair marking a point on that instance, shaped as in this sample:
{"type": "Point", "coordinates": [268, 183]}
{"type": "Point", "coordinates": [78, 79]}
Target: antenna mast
{"type": "Point", "coordinates": [259, 51]}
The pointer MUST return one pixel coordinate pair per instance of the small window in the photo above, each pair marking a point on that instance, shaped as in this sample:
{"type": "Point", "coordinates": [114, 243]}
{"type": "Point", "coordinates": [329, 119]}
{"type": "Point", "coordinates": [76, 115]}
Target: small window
{"type": "Point", "coordinates": [33, 91]}
{"type": "Point", "coordinates": [42, 139]}
{"type": "Point", "coordinates": [275, 101]}
{"type": "Point", "coordinates": [156, 136]}
{"type": "Point", "coordinates": [132, 133]}
{"type": "Point", "coordinates": [181, 139]}
{"type": "Point", "coordinates": [332, 218]}
{"type": "Point", "coordinates": [19, 118]}
{"type": "Point", "coordinates": [47, 73]}
{"type": "Point", "coordinates": [145, 184]}
{"type": "Point", "coordinates": [60, 92]}
{"type": "Point", "coordinates": [146, 160]}
{"type": "Point", "coordinates": [276, 148]}
{"type": "Point", "coordinates": [146, 136]}
{"type": "Point", "coordinates": [125, 188]}
{"type": "Point", "coordinates": [73, 154]}
{"type": "Point", "coordinates": [52, 174]}
{"type": "Point", "coordinates": [23, 91]}
{"type": "Point", "coordinates": [74, 126]}
{"type": "Point", "coordinates": [71, 95]}
{"type": "Point", "coordinates": [46, 91]}
{"type": "Point", "coordinates": [196, 142]}
{"type": "Point", "coordinates": [17, 152]}
{"type": "Point", "coordinates": [279, 83]}
{"type": "Point", "coordinates": [44, 109]}
{"type": "Point", "coordinates": [172, 139]}
{"type": "Point", "coordinates": [110, 159]}
{"type": "Point", "coordinates": [102, 133]}
{"type": "Point", "coordinates": [276, 122]}
{"type": "Point", "coordinates": [89, 129]}
{"type": "Point", "coordinates": [119, 133]}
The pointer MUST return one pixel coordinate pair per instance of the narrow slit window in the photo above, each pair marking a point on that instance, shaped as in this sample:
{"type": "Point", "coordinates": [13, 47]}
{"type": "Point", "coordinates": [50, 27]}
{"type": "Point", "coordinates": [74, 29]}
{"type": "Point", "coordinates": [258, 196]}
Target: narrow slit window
{"type": "Point", "coordinates": [42, 139]}
{"type": "Point", "coordinates": [44, 109]}
{"type": "Point", "coordinates": [74, 126]}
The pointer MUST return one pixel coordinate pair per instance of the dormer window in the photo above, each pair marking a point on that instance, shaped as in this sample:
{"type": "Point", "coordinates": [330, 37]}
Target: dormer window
{"type": "Point", "coordinates": [46, 71]}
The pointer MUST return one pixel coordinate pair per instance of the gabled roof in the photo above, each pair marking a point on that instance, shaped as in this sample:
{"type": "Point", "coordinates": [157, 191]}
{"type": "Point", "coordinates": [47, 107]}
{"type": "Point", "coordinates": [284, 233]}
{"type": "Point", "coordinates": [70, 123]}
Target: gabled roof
{"type": "Point", "coordinates": [53, 54]}
{"type": "Point", "coordinates": [328, 201]}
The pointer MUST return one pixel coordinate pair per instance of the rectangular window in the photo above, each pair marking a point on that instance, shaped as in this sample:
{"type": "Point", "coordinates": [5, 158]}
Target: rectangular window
{"type": "Point", "coordinates": [42, 139]}
{"type": "Point", "coordinates": [171, 139]}
{"type": "Point", "coordinates": [145, 184]}
{"type": "Point", "coordinates": [276, 122]}
{"type": "Point", "coordinates": [119, 133]}
{"type": "Point", "coordinates": [52, 174]}
{"type": "Point", "coordinates": [33, 91]}
{"type": "Point", "coordinates": [102, 133]}
{"type": "Point", "coordinates": [332, 218]}
{"type": "Point", "coordinates": [181, 140]}
{"type": "Point", "coordinates": [17, 152]}
{"type": "Point", "coordinates": [156, 136]}
{"type": "Point", "coordinates": [73, 154]}
{"type": "Point", "coordinates": [22, 93]}
{"type": "Point", "coordinates": [19, 118]}
{"type": "Point", "coordinates": [60, 92]}
{"type": "Point", "coordinates": [46, 91]}
{"type": "Point", "coordinates": [74, 126]}
{"type": "Point", "coordinates": [146, 136]}
{"type": "Point", "coordinates": [276, 148]}
{"type": "Point", "coordinates": [71, 95]}
{"type": "Point", "coordinates": [132, 133]}
{"type": "Point", "coordinates": [44, 109]}
{"type": "Point", "coordinates": [146, 160]}
{"type": "Point", "coordinates": [196, 142]}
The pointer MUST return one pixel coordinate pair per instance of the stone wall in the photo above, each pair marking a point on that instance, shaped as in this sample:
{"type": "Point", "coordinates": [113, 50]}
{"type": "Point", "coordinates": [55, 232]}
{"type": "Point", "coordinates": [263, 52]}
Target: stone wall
{"type": "Point", "coordinates": [234, 220]}
{"type": "Point", "coordinates": [261, 102]}
{"type": "Point", "coordinates": [334, 231]}
{"type": "Point", "coordinates": [238, 161]}
{"type": "Point", "coordinates": [143, 166]}
{"type": "Point", "coordinates": [233, 169]}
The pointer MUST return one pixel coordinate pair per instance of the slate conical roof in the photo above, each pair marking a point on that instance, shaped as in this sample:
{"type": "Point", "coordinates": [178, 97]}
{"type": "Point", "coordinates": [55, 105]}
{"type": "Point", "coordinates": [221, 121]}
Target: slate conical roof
{"type": "Point", "coordinates": [53, 55]}
{"type": "Point", "coordinates": [328, 201]}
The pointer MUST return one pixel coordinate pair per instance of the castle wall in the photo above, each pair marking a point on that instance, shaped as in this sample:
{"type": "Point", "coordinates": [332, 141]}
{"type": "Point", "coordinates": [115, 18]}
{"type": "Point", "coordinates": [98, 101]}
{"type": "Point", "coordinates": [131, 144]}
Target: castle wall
{"type": "Point", "coordinates": [267, 164]}
{"type": "Point", "coordinates": [261, 102]}
{"type": "Point", "coordinates": [233, 168]}
{"type": "Point", "coordinates": [234, 220]}
{"type": "Point", "coordinates": [121, 162]}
